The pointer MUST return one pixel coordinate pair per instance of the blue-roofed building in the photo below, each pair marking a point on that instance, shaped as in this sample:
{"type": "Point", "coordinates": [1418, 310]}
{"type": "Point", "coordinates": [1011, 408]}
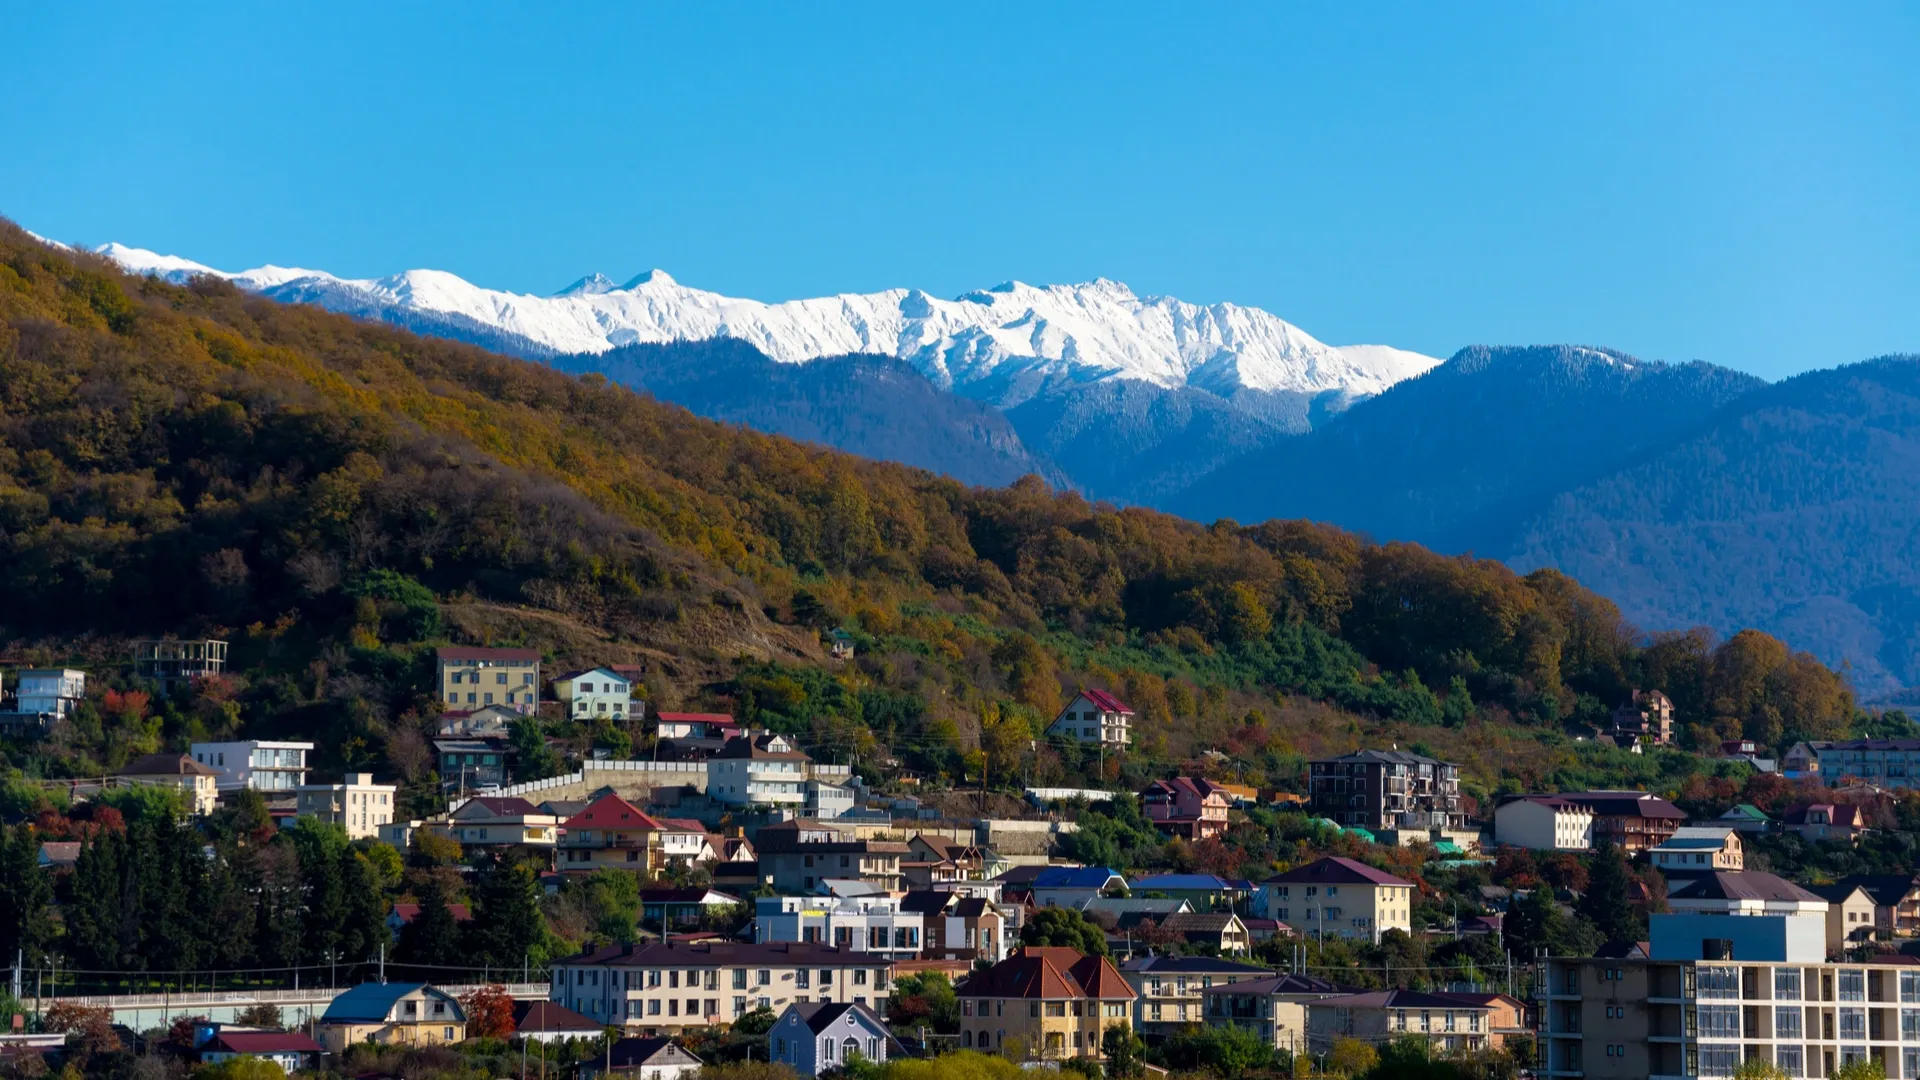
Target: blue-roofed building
{"type": "Point", "coordinates": [1071, 886]}
{"type": "Point", "coordinates": [1206, 892]}
{"type": "Point", "coordinates": [402, 1014]}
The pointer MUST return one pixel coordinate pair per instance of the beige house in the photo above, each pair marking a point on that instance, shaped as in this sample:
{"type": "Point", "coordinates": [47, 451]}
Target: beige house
{"type": "Point", "coordinates": [356, 804]}
{"type": "Point", "coordinates": [610, 832]}
{"type": "Point", "coordinates": [403, 1014]}
{"type": "Point", "coordinates": [1451, 1023]}
{"type": "Point", "coordinates": [1543, 823]}
{"type": "Point", "coordinates": [1043, 1004]}
{"type": "Point", "coordinates": [1273, 1007]}
{"type": "Point", "coordinates": [1338, 897]}
{"type": "Point", "coordinates": [197, 782]}
{"type": "Point", "coordinates": [1700, 849]}
{"type": "Point", "coordinates": [669, 988]}
{"type": "Point", "coordinates": [470, 678]}
{"type": "Point", "coordinates": [1169, 990]}
{"type": "Point", "coordinates": [1850, 915]}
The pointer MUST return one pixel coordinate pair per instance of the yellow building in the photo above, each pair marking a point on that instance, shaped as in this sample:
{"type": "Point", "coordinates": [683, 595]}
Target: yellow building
{"type": "Point", "coordinates": [198, 783]}
{"type": "Point", "coordinates": [1338, 897]}
{"type": "Point", "coordinates": [1049, 1003]}
{"type": "Point", "coordinates": [356, 804]}
{"type": "Point", "coordinates": [472, 679]}
{"type": "Point", "coordinates": [611, 832]}
{"type": "Point", "coordinates": [404, 1014]}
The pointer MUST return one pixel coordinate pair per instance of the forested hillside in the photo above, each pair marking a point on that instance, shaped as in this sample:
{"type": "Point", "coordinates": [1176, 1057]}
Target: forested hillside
{"type": "Point", "coordinates": [336, 496]}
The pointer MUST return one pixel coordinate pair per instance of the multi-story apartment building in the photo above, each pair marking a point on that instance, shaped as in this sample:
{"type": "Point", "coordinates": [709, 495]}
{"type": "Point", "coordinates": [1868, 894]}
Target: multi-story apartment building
{"type": "Point", "coordinates": [1450, 1023]}
{"type": "Point", "coordinates": [610, 832]}
{"type": "Point", "coordinates": [255, 763]}
{"type": "Point", "coordinates": [49, 691]}
{"type": "Point", "coordinates": [1713, 991]}
{"type": "Point", "coordinates": [1274, 1008]}
{"type": "Point", "coordinates": [1644, 720]}
{"type": "Point", "coordinates": [961, 927]}
{"type": "Point", "coordinates": [758, 770]}
{"type": "Point", "coordinates": [1043, 1003]}
{"type": "Point", "coordinates": [801, 857]}
{"type": "Point", "coordinates": [870, 924]}
{"type": "Point", "coordinates": [669, 988]}
{"type": "Point", "coordinates": [1337, 897]}
{"type": "Point", "coordinates": [1169, 989]}
{"type": "Point", "coordinates": [1191, 807]}
{"type": "Point", "coordinates": [469, 678]}
{"type": "Point", "coordinates": [356, 804]}
{"type": "Point", "coordinates": [1543, 823]}
{"type": "Point", "coordinates": [1095, 717]}
{"type": "Point", "coordinates": [1387, 789]}
{"type": "Point", "coordinates": [1887, 763]}
{"type": "Point", "coordinates": [1633, 821]}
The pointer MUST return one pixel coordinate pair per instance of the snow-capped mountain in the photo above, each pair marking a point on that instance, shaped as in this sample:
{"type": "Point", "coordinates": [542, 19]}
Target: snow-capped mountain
{"type": "Point", "coordinates": [1090, 332]}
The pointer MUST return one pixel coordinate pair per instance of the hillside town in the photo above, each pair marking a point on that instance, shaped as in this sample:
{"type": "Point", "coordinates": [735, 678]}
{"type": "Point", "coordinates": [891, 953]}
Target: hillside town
{"type": "Point", "coordinates": [735, 897]}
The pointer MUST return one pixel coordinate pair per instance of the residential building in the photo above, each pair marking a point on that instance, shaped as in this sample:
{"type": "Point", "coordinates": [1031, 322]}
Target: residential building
{"type": "Point", "coordinates": [818, 1037]}
{"type": "Point", "coordinates": [1896, 901]}
{"type": "Point", "coordinates": [485, 722]}
{"type": "Point", "coordinates": [668, 988]}
{"type": "Point", "coordinates": [1818, 822]}
{"type": "Point", "coordinates": [473, 763]}
{"type": "Point", "coordinates": [401, 1014]}
{"type": "Point", "coordinates": [688, 906]}
{"type": "Point", "coordinates": [1205, 892]}
{"type": "Point", "coordinates": [173, 664]}
{"type": "Point", "coordinates": [1633, 821]}
{"type": "Point", "coordinates": [1168, 989]}
{"type": "Point", "coordinates": [1095, 717]}
{"type": "Point", "coordinates": [179, 771]}
{"type": "Point", "coordinates": [688, 725]}
{"type": "Point", "coordinates": [52, 692]}
{"type": "Point", "coordinates": [1185, 806]}
{"type": "Point", "coordinates": [1646, 719]}
{"type": "Point", "coordinates": [1543, 823]}
{"type": "Point", "coordinates": [1746, 818]}
{"type": "Point", "coordinates": [1274, 1007]}
{"type": "Point", "coordinates": [494, 821]}
{"type": "Point", "coordinates": [656, 1058]}
{"type": "Point", "coordinates": [872, 924]}
{"type": "Point", "coordinates": [595, 694]}
{"type": "Point", "coordinates": [1072, 886]}
{"type": "Point", "coordinates": [935, 861]}
{"type": "Point", "coordinates": [610, 832]}
{"type": "Point", "coordinates": [58, 854]}
{"type": "Point", "coordinates": [1340, 897]}
{"type": "Point", "coordinates": [687, 840]}
{"type": "Point", "coordinates": [470, 677]}
{"type": "Point", "coordinates": [960, 927]}
{"type": "Point", "coordinates": [762, 770]}
{"type": "Point", "coordinates": [259, 764]}
{"type": "Point", "coordinates": [802, 857]}
{"type": "Point", "coordinates": [1699, 849]}
{"type": "Point", "coordinates": [1802, 760]}
{"type": "Point", "coordinates": [1849, 916]}
{"type": "Point", "coordinates": [400, 915]}
{"type": "Point", "coordinates": [545, 1022]}
{"type": "Point", "coordinates": [1887, 763]}
{"type": "Point", "coordinates": [1043, 1003]}
{"type": "Point", "coordinates": [356, 804]}
{"type": "Point", "coordinates": [1387, 789]}
{"type": "Point", "coordinates": [1221, 931]}
{"type": "Point", "coordinates": [1713, 992]}
{"type": "Point", "coordinates": [1111, 910]}
{"type": "Point", "coordinates": [1449, 1023]}
{"type": "Point", "coordinates": [1745, 892]}
{"type": "Point", "coordinates": [827, 800]}
{"type": "Point", "coordinates": [291, 1050]}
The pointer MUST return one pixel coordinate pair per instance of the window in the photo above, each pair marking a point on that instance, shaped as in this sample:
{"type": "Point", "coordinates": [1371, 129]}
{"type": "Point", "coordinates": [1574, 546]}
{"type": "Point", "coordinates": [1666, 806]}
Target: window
{"type": "Point", "coordinates": [1853, 1023]}
{"type": "Point", "coordinates": [1717, 982]}
{"type": "Point", "coordinates": [1910, 1062]}
{"type": "Point", "coordinates": [1786, 984]}
{"type": "Point", "coordinates": [801, 978]}
{"type": "Point", "coordinates": [1719, 1021]}
{"type": "Point", "coordinates": [1786, 1022]}
{"type": "Point", "coordinates": [1910, 986]}
{"type": "Point", "coordinates": [1719, 1060]}
{"type": "Point", "coordinates": [1910, 1025]}
{"type": "Point", "coordinates": [739, 978]}
{"type": "Point", "coordinates": [1790, 1060]}
{"type": "Point", "coordinates": [1853, 984]}
{"type": "Point", "coordinates": [739, 1006]}
{"type": "Point", "coordinates": [765, 978]}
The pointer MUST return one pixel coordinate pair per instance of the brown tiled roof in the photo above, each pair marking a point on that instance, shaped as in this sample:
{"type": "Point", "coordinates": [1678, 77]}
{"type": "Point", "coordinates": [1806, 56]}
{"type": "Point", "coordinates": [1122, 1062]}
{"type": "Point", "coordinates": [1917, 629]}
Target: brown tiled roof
{"type": "Point", "coordinates": [1741, 885]}
{"type": "Point", "coordinates": [1335, 870]}
{"type": "Point", "coordinates": [1049, 972]}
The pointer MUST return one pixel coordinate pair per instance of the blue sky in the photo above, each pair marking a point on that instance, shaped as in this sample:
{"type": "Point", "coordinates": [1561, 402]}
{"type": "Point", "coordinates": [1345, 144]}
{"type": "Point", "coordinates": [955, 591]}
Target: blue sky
{"type": "Point", "coordinates": [1733, 183]}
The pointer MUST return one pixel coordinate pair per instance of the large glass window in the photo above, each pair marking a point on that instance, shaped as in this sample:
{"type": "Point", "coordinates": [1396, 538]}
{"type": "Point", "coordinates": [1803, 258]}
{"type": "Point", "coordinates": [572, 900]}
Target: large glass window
{"type": "Point", "coordinates": [1910, 986]}
{"type": "Point", "coordinates": [1786, 1022]}
{"type": "Point", "coordinates": [1853, 984]}
{"type": "Point", "coordinates": [1719, 1060]}
{"type": "Point", "coordinates": [1717, 982]}
{"type": "Point", "coordinates": [1790, 1060]}
{"type": "Point", "coordinates": [1786, 984]}
{"type": "Point", "coordinates": [1853, 1023]}
{"type": "Point", "coordinates": [1910, 1063]}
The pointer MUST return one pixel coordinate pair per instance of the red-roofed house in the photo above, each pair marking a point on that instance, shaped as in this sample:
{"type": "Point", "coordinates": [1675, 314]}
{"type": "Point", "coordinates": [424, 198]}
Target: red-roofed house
{"type": "Point", "coordinates": [1095, 716]}
{"type": "Point", "coordinates": [1053, 1002]}
{"type": "Point", "coordinates": [1336, 897]}
{"type": "Point", "coordinates": [290, 1050]}
{"type": "Point", "coordinates": [1825, 821]}
{"type": "Point", "coordinates": [610, 832]}
{"type": "Point", "coordinates": [402, 914]}
{"type": "Point", "coordinates": [1187, 806]}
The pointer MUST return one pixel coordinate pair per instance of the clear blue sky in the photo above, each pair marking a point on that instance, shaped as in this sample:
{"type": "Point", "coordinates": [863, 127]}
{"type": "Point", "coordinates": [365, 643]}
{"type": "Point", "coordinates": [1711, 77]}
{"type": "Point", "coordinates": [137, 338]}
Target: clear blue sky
{"type": "Point", "coordinates": [1734, 183]}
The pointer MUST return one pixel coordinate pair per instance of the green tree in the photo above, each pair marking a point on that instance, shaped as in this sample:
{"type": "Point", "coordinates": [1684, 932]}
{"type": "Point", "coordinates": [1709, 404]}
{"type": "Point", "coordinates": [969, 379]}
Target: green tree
{"type": "Point", "coordinates": [613, 901]}
{"type": "Point", "coordinates": [26, 894]}
{"type": "Point", "coordinates": [1860, 1069]}
{"type": "Point", "coordinates": [1124, 1050]}
{"type": "Point", "coordinates": [508, 929]}
{"type": "Point", "coordinates": [1538, 923]}
{"type": "Point", "coordinates": [433, 937]}
{"type": "Point", "coordinates": [1064, 927]}
{"type": "Point", "coordinates": [1607, 903]}
{"type": "Point", "coordinates": [924, 997]}
{"type": "Point", "coordinates": [537, 761]}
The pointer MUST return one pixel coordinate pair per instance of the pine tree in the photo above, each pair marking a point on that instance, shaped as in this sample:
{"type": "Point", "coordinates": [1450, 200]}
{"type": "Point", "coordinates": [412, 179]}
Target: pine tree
{"type": "Point", "coordinates": [433, 937]}
{"type": "Point", "coordinates": [26, 925]}
{"type": "Point", "coordinates": [508, 928]}
{"type": "Point", "coordinates": [365, 929]}
{"type": "Point", "coordinates": [1607, 902]}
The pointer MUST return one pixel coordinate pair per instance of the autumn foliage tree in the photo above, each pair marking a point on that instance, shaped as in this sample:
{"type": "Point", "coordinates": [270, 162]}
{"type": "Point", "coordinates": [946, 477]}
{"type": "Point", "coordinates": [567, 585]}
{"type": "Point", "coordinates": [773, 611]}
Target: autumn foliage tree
{"type": "Point", "coordinates": [489, 1012]}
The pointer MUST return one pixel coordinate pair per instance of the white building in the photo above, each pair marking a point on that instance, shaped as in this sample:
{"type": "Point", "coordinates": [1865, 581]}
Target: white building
{"type": "Point", "coordinates": [255, 763]}
{"type": "Point", "coordinates": [1095, 717]}
{"type": "Point", "coordinates": [827, 800]}
{"type": "Point", "coordinates": [758, 770]}
{"type": "Point", "coordinates": [1747, 892]}
{"type": "Point", "coordinates": [1698, 849]}
{"type": "Point", "coordinates": [596, 694]}
{"type": "Point", "coordinates": [356, 803]}
{"type": "Point", "coordinates": [874, 924]}
{"type": "Point", "coordinates": [1543, 823]}
{"type": "Point", "coordinates": [50, 691]}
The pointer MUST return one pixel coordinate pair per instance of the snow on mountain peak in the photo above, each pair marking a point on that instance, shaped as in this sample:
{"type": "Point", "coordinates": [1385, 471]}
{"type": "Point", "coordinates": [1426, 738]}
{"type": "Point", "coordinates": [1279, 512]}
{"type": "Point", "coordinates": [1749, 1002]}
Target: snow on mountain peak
{"type": "Point", "coordinates": [1098, 329]}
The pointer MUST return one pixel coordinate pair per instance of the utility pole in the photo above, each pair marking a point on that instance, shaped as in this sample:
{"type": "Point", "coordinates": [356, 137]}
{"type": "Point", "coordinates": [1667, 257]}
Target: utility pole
{"type": "Point", "coordinates": [383, 961]}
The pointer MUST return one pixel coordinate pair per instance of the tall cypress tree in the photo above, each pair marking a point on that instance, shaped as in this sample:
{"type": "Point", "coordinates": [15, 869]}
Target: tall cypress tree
{"type": "Point", "coordinates": [1607, 901]}
{"type": "Point", "coordinates": [433, 937]}
{"type": "Point", "coordinates": [365, 929]}
{"type": "Point", "coordinates": [26, 895]}
{"type": "Point", "coordinates": [508, 927]}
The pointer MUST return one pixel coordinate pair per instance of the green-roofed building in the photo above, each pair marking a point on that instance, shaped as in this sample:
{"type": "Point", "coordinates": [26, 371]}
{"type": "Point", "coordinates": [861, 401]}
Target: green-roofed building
{"type": "Point", "coordinates": [1746, 818]}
